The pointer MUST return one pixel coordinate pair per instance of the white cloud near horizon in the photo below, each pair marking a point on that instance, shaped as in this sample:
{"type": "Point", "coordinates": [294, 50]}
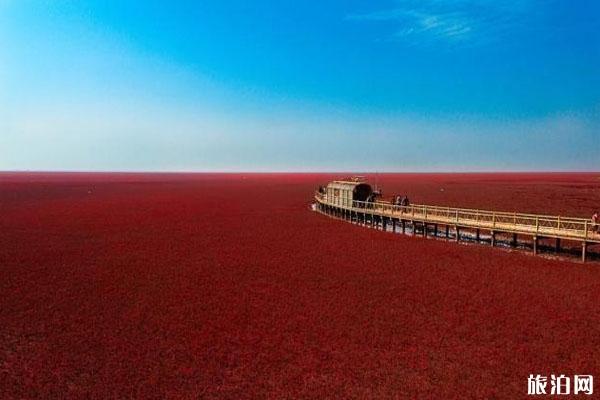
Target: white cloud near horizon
{"type": "Point", "coordinates": [118, 137]}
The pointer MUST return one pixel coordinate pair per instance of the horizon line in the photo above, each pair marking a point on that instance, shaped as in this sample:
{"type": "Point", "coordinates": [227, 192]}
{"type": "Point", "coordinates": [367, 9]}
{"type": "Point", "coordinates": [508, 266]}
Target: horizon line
{"type": "Point", "coordinates": [523, 171]}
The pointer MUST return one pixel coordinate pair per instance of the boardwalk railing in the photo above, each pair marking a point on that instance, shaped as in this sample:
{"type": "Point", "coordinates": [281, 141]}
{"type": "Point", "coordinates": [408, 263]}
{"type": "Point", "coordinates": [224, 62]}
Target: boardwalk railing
{"type": "Point", "coordinates": [531, 224]}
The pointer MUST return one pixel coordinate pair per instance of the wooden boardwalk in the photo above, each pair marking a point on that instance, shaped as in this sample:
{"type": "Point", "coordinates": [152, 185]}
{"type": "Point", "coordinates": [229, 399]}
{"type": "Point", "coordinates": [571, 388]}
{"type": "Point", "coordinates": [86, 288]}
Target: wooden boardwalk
{"type": "Point", "coordinates": [535, 226]}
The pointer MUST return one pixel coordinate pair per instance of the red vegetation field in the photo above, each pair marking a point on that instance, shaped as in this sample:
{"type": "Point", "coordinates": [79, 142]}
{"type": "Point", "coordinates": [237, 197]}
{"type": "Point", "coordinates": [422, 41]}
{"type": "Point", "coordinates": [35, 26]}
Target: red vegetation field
{"type": "Point", "coordinates": [228, 286]}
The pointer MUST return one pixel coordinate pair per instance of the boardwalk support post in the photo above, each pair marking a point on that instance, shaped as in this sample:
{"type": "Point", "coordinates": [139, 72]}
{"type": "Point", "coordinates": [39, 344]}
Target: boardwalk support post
{"type": "Point", "coordinates": [380, 215]}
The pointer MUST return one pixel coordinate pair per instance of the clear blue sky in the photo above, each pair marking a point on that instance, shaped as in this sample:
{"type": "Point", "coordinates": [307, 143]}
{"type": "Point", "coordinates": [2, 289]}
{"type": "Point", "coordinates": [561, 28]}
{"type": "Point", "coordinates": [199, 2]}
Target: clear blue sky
{"type": "Point", "coordinates": [407, 85]}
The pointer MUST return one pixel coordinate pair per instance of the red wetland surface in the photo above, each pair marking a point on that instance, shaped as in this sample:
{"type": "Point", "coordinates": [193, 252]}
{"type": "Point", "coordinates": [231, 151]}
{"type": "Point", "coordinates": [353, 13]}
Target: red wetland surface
{"type": "Point", "coordinates": [229, 286]}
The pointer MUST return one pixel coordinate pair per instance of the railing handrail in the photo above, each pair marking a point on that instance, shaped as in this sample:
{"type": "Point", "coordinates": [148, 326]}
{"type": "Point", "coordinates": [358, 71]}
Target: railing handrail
{"type": "Point", "coordinates": [543, 224]}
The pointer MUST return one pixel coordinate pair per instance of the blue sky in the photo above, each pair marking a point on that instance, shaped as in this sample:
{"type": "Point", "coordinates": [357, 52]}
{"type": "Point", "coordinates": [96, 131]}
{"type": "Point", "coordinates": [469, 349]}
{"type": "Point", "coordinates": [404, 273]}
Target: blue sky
{"type": "Point", "coordinates": [407, 85]}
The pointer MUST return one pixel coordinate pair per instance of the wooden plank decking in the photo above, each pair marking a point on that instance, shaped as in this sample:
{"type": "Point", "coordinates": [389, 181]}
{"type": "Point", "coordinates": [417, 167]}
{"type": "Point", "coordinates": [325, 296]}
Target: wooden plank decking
{"type": "Point", "coordinates": [536, 226]}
